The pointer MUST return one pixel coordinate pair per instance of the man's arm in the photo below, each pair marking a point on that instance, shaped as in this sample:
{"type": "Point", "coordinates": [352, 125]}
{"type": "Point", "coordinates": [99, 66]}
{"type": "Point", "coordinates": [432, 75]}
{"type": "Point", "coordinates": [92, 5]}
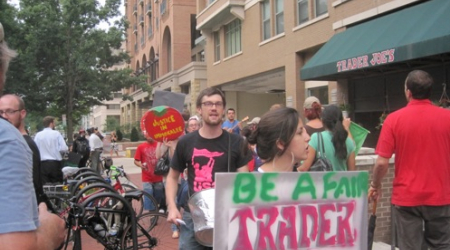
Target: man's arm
{"type": "Point", "coordinates": [50, 234]}
{"type": "Point", "coordinates": [62, 144]}
{"type": "Point", "coordinates": [171, 193]}
{"type": "Point", "coordinates": [379, 171]}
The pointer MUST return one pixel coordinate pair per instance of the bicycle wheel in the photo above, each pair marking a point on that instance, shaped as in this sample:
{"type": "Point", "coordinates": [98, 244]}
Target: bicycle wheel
{"type": "Point", "coordinates": [102, 213]}
{"type": "Point", "coordinates": [153, 232]}
{"type": "Point", "coordinates": [93, 189]}
{"type": "Point", "coordinates": [82, 175]}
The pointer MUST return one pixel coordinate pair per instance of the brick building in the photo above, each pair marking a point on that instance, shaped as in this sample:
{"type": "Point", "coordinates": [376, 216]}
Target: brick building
{"type": "Point", "coordinates": [165, 46]}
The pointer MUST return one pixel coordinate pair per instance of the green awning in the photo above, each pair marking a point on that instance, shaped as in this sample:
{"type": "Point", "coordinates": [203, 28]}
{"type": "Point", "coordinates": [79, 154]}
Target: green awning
{"type": "Point", "coordinates": [412, 33]}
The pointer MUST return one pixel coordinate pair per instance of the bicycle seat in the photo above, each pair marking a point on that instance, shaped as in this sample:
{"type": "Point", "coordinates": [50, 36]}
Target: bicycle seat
{"type": "Point", "coordinates": [69, 171]}
{"type": "Point", "coordinates": [134, 194]}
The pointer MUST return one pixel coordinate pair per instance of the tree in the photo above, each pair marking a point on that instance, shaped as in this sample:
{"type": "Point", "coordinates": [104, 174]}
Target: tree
{"type": "Point", "coordinates": [65, 59]}
{"type": "Point", "coordinates": [111, 123]}
{"type": "Point", "coordinates": [134, 135]}
{"type": "Point", "coordinates": [119, 134]}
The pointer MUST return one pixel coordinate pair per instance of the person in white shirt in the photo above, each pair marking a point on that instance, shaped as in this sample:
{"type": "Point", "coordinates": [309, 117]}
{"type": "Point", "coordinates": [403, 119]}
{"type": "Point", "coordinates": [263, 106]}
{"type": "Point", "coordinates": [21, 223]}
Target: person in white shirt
{"type": "Point", "coordinates": [51, 144]}
{"type": "Point", "coordinates": [96, 145]}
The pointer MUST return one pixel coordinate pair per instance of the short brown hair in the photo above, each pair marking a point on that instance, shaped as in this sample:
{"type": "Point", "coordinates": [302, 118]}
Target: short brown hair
{"type": "Point", "coordinates": [209, 92]}
{"type": "Point", "coordinates": [47, 120]}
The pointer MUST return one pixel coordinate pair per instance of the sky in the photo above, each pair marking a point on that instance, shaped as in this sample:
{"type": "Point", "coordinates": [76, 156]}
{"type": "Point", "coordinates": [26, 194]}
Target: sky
{"type": "Point", "coordinates": [102, 2]}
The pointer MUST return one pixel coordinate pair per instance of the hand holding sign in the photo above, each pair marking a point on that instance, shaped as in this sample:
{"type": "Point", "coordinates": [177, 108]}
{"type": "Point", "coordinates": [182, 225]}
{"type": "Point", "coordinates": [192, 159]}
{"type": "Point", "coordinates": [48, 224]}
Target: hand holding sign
{"type": "Point", "coordinates": [162, 123]}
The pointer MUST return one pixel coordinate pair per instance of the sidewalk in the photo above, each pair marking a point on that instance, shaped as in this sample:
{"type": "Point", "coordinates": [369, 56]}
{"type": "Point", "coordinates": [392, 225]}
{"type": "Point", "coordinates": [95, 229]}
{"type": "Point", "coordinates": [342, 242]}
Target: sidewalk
{"type": "Point", "coordinates": [134, 174]}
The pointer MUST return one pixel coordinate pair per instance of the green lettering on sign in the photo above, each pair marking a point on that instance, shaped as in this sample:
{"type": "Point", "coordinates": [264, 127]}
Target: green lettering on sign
{"type": "Point", "coordinates": [267, 185]}
{"type": "Point", "coordinates": [328, 185]}
{"type": "Point", "coordinates": [244, 188]}
{"type": "Point", "coordinates": [305, 184]}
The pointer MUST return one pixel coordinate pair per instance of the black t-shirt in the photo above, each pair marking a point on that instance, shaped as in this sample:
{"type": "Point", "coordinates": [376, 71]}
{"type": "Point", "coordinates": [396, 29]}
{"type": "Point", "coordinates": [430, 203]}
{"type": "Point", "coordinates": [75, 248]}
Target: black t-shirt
{"type": "Point", "coordinates": [36, 168]}
{"type": "Point", "coordinates": [205, 157]}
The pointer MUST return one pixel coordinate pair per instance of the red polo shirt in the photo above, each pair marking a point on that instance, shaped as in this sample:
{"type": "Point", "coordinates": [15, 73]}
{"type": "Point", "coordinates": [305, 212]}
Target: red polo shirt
{"type": "Point", "coordinates": [419, 135]}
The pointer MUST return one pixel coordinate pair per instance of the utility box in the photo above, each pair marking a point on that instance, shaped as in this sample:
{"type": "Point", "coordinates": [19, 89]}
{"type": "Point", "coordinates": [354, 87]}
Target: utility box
{"type": "Point", "coordinates": [130, 151]}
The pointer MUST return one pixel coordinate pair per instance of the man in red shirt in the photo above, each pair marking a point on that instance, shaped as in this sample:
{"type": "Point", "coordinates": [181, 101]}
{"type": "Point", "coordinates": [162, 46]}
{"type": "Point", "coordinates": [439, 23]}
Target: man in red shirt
{"type": "Point", "coordinates": [419, 135]}
{"type": "Point", "coordinates": [145, 158]}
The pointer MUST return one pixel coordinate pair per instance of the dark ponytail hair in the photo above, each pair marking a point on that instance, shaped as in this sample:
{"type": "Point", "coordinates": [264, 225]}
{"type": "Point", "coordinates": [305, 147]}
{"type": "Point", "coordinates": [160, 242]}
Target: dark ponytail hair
{"type": "Point", "coordinates": [332, 120]}
{"type": "Point", "coordinates": [278, 125]}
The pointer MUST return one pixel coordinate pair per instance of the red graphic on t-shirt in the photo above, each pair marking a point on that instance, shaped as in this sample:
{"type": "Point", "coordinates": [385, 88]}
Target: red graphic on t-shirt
{"type": "Point", "coordinates": [203, 174]}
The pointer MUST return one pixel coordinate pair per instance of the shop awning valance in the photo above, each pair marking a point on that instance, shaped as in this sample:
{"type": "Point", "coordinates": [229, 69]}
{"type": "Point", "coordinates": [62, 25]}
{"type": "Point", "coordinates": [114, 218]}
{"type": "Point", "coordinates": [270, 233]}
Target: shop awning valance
{"type": "Point", "coordinates": [416, 32]}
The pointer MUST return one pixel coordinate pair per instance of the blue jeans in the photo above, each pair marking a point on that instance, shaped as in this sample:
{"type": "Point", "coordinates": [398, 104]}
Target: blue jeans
{"type": "Point", "coordinates": [156, 190]}
{"type": "Point", "coordinates": [187, 235]}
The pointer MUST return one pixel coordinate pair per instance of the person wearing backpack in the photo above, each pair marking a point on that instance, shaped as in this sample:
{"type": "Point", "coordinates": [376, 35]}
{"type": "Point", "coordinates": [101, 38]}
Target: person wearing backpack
{"type": "Point", "coordinates": [81, 147]}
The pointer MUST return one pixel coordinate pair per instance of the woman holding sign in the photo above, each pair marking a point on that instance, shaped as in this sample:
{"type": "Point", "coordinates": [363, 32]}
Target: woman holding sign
{"type": "Point", "coordinates": [281, 140]}
{"type": "Point", "coordinates": [339, 148]}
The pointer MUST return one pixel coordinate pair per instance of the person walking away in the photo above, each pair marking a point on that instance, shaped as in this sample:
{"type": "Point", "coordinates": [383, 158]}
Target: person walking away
{"type": "Point", "coordinates": [114, 146]}
{"type": "Point", "coordinates": [81, 146]}
{"type": "Point", "coordinates": [339, 147]}
{"type": "Point", "coordinates": [312, 110]}
{"type": "Point", "coordinates": [51, 145]}
{"type": "Point", "coordinates": [22, 225]}
{"type": "Point", "coordinates": [419, 136]}
{"type": "Point", "coordinates": [145, 158]}
{"type": "Point", "coordinates": [232, 125]}
{"type": "Point", "coordinates": [281, 140]}
{"type": "Point", "coordinates": [203, 152]}
{"type": "Point", "coordinates": [96, 147]}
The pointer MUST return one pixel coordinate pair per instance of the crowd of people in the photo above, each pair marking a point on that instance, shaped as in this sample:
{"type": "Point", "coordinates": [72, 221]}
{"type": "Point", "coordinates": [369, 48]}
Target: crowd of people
{"type": "Point", "coordinates": [277, 141]}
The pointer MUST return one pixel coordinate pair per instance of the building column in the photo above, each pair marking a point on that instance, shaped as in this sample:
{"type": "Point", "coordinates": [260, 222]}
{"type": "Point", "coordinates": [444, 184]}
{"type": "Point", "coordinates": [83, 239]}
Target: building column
{"type": "Point", "coordinates": [195, 90]}
{"type": "Point", "coordinates": [295, 88]}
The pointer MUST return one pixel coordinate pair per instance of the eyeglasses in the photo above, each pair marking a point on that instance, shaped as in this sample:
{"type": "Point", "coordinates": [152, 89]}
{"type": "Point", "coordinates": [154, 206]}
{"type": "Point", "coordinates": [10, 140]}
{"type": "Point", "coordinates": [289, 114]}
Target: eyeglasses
{"type": "Point", "coordinates": [211, 104]}
{"type": "Point", "coordinates": [9, 111]}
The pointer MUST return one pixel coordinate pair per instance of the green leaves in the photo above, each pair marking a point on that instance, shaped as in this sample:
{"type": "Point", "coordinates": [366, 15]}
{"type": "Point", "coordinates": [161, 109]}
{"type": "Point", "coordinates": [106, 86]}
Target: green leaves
{"type": "Point", "coordinates": [65, 59]}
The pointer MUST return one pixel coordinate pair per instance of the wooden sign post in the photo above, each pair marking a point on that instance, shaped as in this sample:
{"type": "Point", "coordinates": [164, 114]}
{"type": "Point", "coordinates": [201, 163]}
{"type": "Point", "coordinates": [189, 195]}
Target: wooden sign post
{"type": "Point", "coordinates": [320, 210]}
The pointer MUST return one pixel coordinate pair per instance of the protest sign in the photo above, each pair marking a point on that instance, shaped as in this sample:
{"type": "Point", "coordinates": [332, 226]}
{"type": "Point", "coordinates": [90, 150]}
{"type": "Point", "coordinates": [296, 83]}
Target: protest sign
{"type": "Point", "coordinates": [163, 122]}
{"type": "Point", "coordinates": [308, 210]}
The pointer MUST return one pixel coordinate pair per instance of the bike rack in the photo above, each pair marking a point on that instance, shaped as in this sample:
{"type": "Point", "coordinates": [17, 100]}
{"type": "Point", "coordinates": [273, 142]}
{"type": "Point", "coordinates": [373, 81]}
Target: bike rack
{"type": "Point", "coordinates": [126, 204]}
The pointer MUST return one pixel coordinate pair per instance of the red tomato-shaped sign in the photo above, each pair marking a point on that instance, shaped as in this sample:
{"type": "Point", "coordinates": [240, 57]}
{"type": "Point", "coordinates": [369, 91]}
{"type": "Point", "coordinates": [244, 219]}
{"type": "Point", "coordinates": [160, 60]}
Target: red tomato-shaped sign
{"type": "Point", "coordinates": [163, 122]}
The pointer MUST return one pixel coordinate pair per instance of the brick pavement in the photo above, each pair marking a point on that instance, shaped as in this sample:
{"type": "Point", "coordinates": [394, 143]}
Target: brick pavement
{"type": "Point", "coordinates": [91, 244]}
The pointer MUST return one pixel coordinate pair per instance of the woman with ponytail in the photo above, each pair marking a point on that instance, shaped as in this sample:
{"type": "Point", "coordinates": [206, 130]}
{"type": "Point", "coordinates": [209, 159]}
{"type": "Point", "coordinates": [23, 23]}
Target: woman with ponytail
{"type": "Point", "coordinates": [280, 139]}
{"type": "Point", "coordinates": [339, 147]}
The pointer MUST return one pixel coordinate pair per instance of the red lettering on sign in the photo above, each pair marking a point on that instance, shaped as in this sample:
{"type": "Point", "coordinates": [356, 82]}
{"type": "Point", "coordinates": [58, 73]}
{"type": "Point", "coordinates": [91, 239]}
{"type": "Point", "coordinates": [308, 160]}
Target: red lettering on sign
{"type": "Point", "coordinates": [325, 225]}
{"type": "Point", "coordinates": [242, 241]}
{"type": "Point", "coordinates": [276, 226]}
{"type": "Point", "coordinates": [310, 211]}
{"type": "Point", "coordinates": [265, 235]}
{"type": "Point", "coordinates": [391, 55]}
{"type": "Point", "coordinates": [338, 65]}
{"type": "Point", "coordinates": [288, 229]}
{"type": "Point", "coordinates": [378, 58]}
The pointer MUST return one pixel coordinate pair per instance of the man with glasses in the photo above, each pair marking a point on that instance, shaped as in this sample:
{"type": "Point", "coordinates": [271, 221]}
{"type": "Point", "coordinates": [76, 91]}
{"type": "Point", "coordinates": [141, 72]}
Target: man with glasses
{"type": "Point", "coordinates": [12, 108]}
{"type": "Point", "coordinates": [22, 225]}
{"type": "Point", "coordinates": [203, 152]}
